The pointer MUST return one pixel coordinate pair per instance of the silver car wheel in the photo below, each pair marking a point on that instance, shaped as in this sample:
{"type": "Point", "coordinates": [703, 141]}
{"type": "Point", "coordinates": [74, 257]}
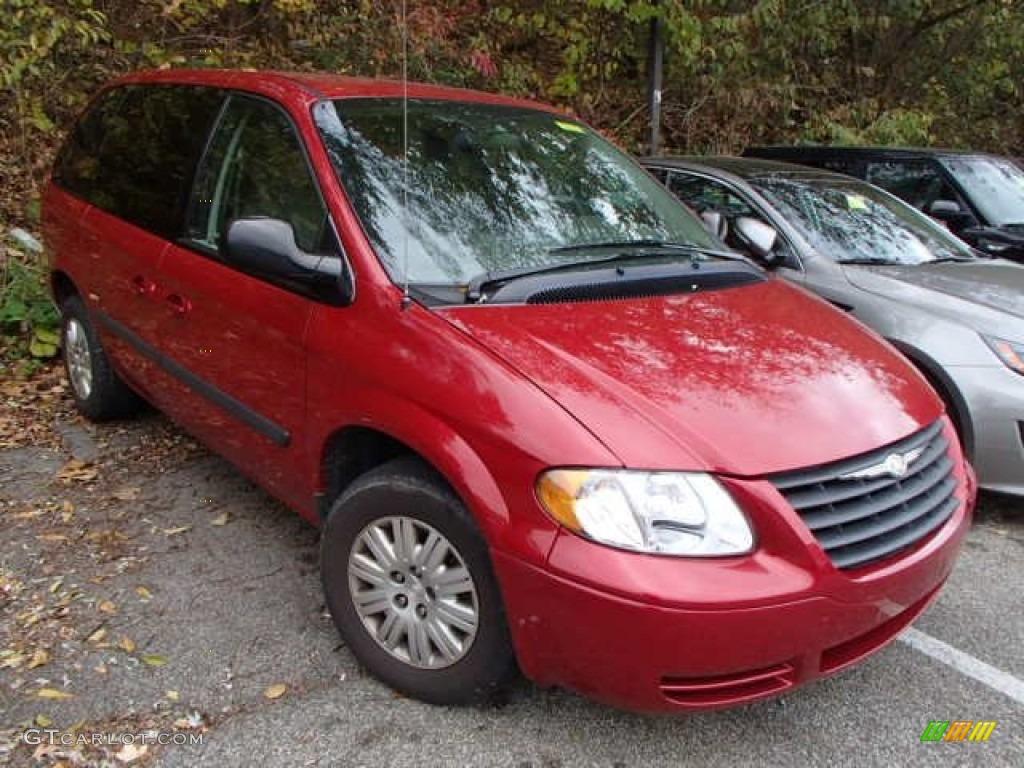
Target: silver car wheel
{"type": "Point", "coordinates": [79, 358]}
{"type": "Point", "coordinates": [413, 593]}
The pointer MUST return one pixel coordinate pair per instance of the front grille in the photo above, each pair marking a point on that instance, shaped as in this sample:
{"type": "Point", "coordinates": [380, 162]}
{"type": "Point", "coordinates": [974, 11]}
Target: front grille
{"type": "Point", "coordinates": [861, 520]}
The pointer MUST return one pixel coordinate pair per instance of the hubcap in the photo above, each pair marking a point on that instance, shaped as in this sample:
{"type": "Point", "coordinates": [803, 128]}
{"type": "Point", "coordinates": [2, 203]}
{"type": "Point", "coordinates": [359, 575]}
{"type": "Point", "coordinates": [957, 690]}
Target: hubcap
{"type": "Point", "coordinates": [79, 359]}
{"type": "Point", "coordinates": [413, 592]}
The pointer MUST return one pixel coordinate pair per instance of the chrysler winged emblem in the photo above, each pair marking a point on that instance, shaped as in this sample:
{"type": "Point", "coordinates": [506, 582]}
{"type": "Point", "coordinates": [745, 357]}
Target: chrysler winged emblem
{"type": "Point", "coordinates": [895, 465]}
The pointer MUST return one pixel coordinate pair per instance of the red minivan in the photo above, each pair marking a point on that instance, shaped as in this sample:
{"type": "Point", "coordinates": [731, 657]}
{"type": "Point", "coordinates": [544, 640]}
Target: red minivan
{"type": "Point", "coordinates": [542, 417]}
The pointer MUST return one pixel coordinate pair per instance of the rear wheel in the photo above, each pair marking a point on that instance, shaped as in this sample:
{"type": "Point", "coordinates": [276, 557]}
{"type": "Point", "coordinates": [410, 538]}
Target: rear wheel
{"type": "Point", "coordinates": [410, 587]}
{"type": "Point", "coordinates": [98, 391]}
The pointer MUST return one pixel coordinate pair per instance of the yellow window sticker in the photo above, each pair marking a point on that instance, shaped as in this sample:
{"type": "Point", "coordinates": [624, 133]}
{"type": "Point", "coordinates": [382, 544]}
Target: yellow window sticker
{"type": "Point", "coordinates": [856, 202]}
{"type": "Point", "coordinates": [571, 127]}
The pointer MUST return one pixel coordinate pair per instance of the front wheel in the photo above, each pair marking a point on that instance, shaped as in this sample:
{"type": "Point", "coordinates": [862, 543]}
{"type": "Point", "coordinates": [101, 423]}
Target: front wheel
{"type": "Point", "coordinates": [409, 584]}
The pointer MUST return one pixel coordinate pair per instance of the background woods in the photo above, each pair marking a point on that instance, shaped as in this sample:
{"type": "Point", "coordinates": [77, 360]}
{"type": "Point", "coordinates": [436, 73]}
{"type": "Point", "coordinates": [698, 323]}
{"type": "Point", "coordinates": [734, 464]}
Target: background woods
{"type": "Point", "coordinates": [946, 72]}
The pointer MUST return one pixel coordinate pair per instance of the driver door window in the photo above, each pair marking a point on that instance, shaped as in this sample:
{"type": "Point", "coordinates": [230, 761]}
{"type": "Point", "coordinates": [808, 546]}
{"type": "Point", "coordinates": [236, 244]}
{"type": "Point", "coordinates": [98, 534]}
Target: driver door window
{"type": "Point", "coordinates": [255, 166]}
{"type": "Point", "coordinates": [703, 194]}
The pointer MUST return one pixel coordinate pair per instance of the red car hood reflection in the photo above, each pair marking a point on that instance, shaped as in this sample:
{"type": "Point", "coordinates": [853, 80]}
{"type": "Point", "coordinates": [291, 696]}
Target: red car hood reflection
{"type": "Point", "coordinates": [744, 381]}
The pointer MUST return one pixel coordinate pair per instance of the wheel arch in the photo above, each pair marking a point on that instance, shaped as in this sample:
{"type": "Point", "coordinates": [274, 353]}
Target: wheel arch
{"type": "Point", "coordinates": [947, 389]}
{"type": "Point", "coordinates": [62, 287]}
{"type": "Point", "coordinates": [360, 445]}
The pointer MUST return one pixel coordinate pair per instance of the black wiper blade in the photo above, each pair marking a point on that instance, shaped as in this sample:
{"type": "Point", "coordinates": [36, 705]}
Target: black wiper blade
{"type": "Point", "coordinates": [947, 259]}
{"type": "Point", "coordinates": [475, 287]}
{"type": "Point", "coordinates": [648, 245]}
{"type": "Point", "coordinates": [874, 262]}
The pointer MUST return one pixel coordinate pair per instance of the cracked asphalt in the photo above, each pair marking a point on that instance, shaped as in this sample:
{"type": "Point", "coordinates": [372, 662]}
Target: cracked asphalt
{"type": "Point", "coordinates": [165, 592]}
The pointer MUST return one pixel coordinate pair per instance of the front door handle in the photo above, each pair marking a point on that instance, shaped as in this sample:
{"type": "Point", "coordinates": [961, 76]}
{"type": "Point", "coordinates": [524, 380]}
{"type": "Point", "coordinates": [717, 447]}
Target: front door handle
{"type": "Point", "coordinates": [179, 304]}
{"type": "Point", "coordinates": [143, 286]}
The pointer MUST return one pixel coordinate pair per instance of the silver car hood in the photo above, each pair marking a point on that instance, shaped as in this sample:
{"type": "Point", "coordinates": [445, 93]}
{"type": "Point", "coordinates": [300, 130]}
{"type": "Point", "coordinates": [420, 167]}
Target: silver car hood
{"type": "Point", "coordinates": [977, 292]}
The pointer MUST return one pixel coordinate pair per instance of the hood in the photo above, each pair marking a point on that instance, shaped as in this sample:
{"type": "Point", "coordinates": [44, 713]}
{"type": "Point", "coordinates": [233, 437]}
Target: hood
{"type": "Point", "coordinates": [745, 381]}
{"type": "Point", "coordinates": [983, 290]}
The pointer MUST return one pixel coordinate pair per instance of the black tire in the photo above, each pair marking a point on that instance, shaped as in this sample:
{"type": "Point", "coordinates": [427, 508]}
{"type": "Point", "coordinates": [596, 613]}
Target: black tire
{"type": "Point", "coordinates": [106, 396]}
{"type": "Point", "coordinates": [406, 488]}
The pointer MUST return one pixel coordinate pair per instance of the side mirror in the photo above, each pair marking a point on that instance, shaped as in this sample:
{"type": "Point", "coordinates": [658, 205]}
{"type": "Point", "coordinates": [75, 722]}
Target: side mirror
{"type": "Point", "coordinates": [950, 212]}
{"type": "Point", "coordinates": [758, 238]}
{"type": "Point", "coordinates": [715, 223]}
{"type": "Point", "coordinates": [266, 248]}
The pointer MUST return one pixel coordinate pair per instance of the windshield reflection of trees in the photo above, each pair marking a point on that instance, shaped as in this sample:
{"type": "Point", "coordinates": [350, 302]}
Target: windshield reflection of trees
{"type": "Point", "coordinates": [855, 223]}
{"type": "Point", "coordinates": [489, 188]}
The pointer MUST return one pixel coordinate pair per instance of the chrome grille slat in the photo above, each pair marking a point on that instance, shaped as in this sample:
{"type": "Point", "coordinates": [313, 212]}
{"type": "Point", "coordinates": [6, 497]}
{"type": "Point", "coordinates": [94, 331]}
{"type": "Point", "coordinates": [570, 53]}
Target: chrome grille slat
{"type": "Point", "coordinates": [858, 521]}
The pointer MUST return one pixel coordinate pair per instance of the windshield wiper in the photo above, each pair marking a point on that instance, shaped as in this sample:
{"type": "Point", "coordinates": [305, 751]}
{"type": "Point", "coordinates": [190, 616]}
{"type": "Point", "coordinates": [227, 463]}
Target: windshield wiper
{"type": "Point", "coordinates": [873, 261]}
{"type": "Point", "coordinates": [475, 287]}
{"type": "Point", "coordinates": [947, 259]}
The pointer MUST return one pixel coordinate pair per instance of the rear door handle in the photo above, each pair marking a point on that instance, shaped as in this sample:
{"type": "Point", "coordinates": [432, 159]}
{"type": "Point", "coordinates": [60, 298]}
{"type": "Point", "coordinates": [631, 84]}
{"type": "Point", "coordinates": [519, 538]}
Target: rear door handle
{"type": "Point", "coordinates": [143, 286]}
{"type": "Point", "coordinates": [179, 304]}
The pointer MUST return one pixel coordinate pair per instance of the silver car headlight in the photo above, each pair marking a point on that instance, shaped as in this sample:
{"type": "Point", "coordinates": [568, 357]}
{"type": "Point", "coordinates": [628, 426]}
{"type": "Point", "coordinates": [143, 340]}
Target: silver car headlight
{"type": "Point", "coordinates": [1010, 352]}
{"type": "Point", "coordinates": [668, 513]}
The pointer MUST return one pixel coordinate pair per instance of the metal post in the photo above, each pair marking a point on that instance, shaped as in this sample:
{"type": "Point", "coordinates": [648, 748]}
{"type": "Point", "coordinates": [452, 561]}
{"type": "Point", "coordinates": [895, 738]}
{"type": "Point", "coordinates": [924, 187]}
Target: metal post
{"type": "Point", "coordinates": [656, 60]}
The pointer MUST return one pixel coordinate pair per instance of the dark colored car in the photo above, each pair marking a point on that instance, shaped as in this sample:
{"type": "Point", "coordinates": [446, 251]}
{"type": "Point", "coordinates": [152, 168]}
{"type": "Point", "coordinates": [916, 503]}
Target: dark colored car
{"type": "Point", "coordinates": [541, 415]}
{"type": "Point", "coordinates": [980, 197]}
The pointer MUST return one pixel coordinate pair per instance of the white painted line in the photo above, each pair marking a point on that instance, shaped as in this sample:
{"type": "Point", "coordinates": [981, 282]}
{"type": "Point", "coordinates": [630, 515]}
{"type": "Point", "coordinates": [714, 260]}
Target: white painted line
{"type": "Point", "coordinates": [994, 678]}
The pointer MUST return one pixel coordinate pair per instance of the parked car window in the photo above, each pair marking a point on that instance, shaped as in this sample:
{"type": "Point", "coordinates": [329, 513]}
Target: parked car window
{"type": "Point", "coordinates": [256, 167]}
{"type": "Point", "coordinates": [995, 184]}
{"type": "Point", "coordinates": [703, 194]}
{"type": "Point", "coordinates": [134, 154]}
{"type": "Point", "coordinates": [489, 188]}
{"type": "Point", "coordinates": [850, 221]}
{"type": "Point", "coordinates": [919, 182]}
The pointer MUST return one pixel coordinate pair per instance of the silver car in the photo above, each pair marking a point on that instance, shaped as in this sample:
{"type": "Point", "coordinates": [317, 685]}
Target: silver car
{"type": "Point", "coordinates": [959, 317]}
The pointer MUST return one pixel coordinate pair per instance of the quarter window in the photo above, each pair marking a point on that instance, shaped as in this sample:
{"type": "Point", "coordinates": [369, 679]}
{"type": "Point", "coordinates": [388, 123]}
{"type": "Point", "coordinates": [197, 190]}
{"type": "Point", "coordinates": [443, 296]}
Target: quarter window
{"type": "Point", "coordinates": [256, 167]}
{"type": "Point", "coordinates": [134, 152]}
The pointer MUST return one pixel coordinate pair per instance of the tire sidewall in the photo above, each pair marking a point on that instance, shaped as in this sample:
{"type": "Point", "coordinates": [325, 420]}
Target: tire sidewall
{"type": "Point", "coordinates": [480, 672]}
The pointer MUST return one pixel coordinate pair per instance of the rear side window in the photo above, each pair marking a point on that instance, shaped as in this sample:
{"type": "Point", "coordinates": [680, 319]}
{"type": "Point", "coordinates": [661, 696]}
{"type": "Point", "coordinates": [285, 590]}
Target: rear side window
{"type": "Point", "coordinates": [919, 182]}
{"type": "Point", "coordinates": [134, 152]}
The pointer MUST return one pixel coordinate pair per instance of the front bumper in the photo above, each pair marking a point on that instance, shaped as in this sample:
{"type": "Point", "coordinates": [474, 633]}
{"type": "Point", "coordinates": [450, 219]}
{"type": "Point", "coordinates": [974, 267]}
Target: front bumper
{"type": "Point", "coordinates": [663, 634]}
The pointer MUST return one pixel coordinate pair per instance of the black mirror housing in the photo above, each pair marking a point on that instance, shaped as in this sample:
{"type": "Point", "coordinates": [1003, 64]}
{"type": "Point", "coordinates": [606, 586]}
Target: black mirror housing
{"type": "Point", "coordinates": [266, 248]}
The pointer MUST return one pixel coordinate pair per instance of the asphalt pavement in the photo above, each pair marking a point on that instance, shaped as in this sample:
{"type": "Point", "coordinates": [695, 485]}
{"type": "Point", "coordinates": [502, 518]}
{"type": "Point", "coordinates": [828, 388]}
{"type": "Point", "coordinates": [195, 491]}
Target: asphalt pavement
{"type": "Point", "coordinates": [207, 595]}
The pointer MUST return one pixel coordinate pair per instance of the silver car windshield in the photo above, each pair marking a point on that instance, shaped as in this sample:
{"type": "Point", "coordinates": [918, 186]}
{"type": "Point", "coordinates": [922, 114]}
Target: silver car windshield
{"type": "Point", "coordinates": [994, 184]}
{"type": "Point", "coordinates": [492, 188]}
{"type": "Point", "coordinates": [850, 221]}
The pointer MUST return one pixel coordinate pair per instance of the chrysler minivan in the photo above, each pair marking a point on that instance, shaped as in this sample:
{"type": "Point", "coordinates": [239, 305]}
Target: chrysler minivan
{"type": "Point", "coordinates": [543, 418]}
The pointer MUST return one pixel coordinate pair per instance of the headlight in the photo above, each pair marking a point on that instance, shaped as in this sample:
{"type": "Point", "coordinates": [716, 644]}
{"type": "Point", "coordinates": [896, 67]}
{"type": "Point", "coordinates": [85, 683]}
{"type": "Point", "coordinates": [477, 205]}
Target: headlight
{"type": "Point", "coordinates": [668, 513]}
{"type": "Point", "coordinates": [1010, 352]}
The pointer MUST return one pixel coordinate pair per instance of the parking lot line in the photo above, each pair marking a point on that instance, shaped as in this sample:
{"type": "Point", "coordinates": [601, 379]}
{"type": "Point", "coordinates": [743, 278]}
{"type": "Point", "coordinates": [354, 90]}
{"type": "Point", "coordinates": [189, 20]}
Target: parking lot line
{"type": "Point", "coordinates": [994, 678]}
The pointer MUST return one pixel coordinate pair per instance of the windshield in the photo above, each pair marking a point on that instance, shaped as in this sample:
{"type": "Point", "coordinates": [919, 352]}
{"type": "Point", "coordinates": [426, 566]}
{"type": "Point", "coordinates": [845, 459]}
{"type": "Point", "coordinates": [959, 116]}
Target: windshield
{"type": "Point", "coordinates": [994, 184]}
{"type": "Point", "coordinates": [491, 188]}
{"type": "Point", "coordinates": [850, 221]}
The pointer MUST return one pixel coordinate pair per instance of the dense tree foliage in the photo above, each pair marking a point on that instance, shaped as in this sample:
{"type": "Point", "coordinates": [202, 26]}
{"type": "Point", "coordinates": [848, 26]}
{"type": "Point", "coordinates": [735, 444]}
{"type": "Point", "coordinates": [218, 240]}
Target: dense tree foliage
{"type": "Point", "coordinates": [889, 71]}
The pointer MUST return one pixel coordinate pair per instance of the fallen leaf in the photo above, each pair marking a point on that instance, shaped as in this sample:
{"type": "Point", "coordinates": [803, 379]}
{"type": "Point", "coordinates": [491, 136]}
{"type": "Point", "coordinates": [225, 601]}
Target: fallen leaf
{"type": "Point", "coordinates": [127, 645]}
{"type": "Point", "coordinates": [56, 585]}
{"type": "Point", "coordinates": [97, 636]}
{"type": "Point", "coordinates": [100, 669]}
{"type": "Point", "coordinates": [67, 511]}
{"type": "Point", "coordinates": [221, 519]}
{"type": "Point", "coordinates": [107, 606]}
{"type": "Point", "coordinates": [53, 693]}
{"type": "Point", "coordinates": [172, 695]}
{"type": "Point", "coordinates": [13, 661]}
{"type": "Point", "coordinates": [43, 721]}
{"type": "Point", "coordinates": [39, 658]}
{"type": "Point", "coordinates": [176, 531]}
{"type": "Point", "coordinates": [154, 660]}
{"type": "Point", "coordinates": [129, 753]}
{"type": "Point", "coordinates": [52, 537]}
{"type": "Point", "coordinates": [126, 494]}
{"type": "Point", "coordinates": [79, 471]}
{"type": "Point", "coordinates": [275, 691]}
{"type": "Point", "coordinates": [143, 593]}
